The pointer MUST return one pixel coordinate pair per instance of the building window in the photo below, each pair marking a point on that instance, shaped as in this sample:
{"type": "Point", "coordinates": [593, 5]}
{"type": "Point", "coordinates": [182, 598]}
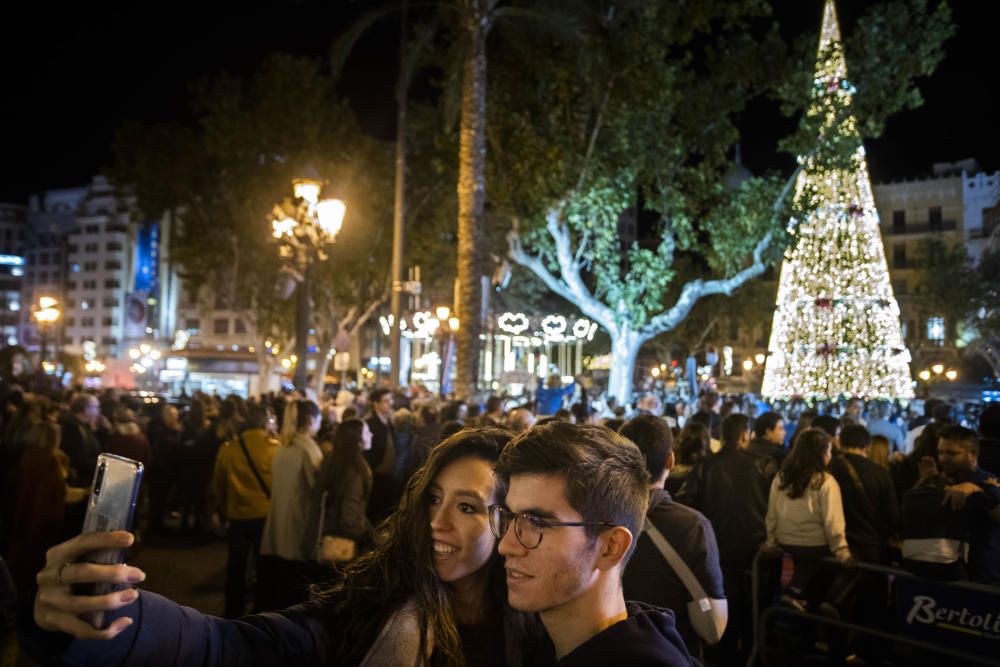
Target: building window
{"type": "Point", "coordinates": [70, 321]}
{"type": "Point", "coordinates": [43, 259]}
{"type": "Point", "coordinates": [107, 322]}
{"type": "Point", "coordinates": [934, 218]}
{"type": "Point", "coordinates": [903, 330]}
{"type": "Point", "coordinates": [112, 266]}
{"type": "Point", "coordinates": [114, 246]}
{"type": "Point", "coordinates": [239, 327]}
{"type": "Point", "coordinates": [192, 323]}
{"type": "Point", "coordinates": [92, 229]}
{"type": "Point", "coordinates": [90, 266]}
{"type": "Point", "coordinates": [89, 284]}
{"type": "Point", "coordinates": [109, 340]}
{"type": "Point", "coordinates": [221, 326]}
{"type": "Point", "coordinates": [898, 222]}
{"type": "Point", "coordinates": [899, 255]}
{"type": "Point", "coordinates": [72, 247]}
{"type": "Point", "coordinates": [935, 330]}
{"type": "Point", "coordinates": [112, 284]}
{"type": "Point", "coordinates": [43, 277]}
{"type": "Point", "coordinates": [86, 321]}
{"type": "Point", "coordinates": [90, 247]}
{"type": "Point", "coordinates": [111, 302]}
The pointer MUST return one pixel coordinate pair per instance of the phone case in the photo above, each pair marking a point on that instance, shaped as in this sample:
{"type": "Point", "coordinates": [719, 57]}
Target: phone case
{"type": "Point", "coordinates": [111, 506]}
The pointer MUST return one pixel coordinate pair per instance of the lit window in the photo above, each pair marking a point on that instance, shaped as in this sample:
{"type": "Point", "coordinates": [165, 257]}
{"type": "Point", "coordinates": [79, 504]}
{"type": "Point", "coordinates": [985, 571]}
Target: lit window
{"type": "Point", "coordinates": [935, 330]}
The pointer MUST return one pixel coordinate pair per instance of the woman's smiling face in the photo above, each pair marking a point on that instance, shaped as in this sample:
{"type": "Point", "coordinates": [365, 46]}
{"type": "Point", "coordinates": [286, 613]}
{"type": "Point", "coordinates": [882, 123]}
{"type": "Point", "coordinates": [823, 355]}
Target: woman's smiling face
{"type": "Point", "coordinates": [460, 529]}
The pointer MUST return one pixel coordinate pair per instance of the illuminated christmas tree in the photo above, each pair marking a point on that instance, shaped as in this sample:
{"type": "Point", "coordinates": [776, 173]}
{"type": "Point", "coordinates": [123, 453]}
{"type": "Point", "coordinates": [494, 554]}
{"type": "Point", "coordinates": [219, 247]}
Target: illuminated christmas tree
{"type": "Point", "coordinates": [836, 328]}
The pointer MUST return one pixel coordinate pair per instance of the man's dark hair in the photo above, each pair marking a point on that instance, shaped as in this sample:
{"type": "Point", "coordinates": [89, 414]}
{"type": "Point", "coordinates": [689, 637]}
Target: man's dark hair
{"type": "Point", "coordinates": [257, 417]}
{"type": "Point", "coordinates": [943, 413]}
{"type": "Point", "coordinates": [929, 406]}
{"type": "Point", "coordinates": [854, 436]}
{"type": "Point", "coordinates": [700, 418]}
{"type": "Point", "coordinates": [493, 403]}
{"type": "Point", "coordinates": [828, 424]}
{"type": "Point", "coordinates": [654, 439]}
{"type": "Point", "coordinates": [562, 414]}
{"type": "Point", "coordinates": [605, 474]}
{"type": "Point", "coordinates": [377, 395]}
{"type": "Point", "coordinates": [581, 412]}
{"type": "Point", "coordinates": [766, 422]}
{"type": "Point", "coordinates": [956, 433]}
{"type": "Point", "coordinates": [734, 426]}
{"type": "Point", "coordinates": [80, 403]}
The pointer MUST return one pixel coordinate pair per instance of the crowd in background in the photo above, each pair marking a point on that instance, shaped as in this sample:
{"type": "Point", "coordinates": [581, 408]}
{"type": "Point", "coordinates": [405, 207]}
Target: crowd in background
{"type": "Point", "coordinates": [299, 487]}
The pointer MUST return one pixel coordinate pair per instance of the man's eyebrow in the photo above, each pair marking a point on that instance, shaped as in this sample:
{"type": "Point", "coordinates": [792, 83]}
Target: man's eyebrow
{"type": "Point", "coordinates": [539, 512]}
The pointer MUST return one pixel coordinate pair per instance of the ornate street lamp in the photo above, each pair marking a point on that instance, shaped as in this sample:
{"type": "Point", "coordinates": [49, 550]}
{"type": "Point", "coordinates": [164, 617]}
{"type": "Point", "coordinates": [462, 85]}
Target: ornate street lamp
{"type": "Point", "coordinates": [303, 227]}
{"type": "Point", "coordinates": [46, 313]}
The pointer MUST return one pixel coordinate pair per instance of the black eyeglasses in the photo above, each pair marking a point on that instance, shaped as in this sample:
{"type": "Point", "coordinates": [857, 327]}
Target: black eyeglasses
{"type": "Point", "coordinates": [528, 527]}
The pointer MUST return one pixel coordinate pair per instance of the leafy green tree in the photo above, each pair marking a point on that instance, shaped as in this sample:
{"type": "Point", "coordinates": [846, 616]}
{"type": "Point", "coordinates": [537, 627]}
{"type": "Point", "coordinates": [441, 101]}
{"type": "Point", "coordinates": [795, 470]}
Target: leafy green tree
{"type": "Point", "coordinates": [639, 117]}
{"type": "Point", "coordinates": [251, 138]}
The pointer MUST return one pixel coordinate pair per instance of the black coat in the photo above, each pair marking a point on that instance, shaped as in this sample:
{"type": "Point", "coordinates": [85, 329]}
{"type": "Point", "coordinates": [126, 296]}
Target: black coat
{"type": "Point", "coordinates": [81, 445]}
{"type": "Point", "coordinates": [872, 515]}
{"type": "Point", "coordinates": [731, 488]}
{"type": "Point", "coordinates": [768, 448]}
{"type": "Point", "coordinates": [383, 444]}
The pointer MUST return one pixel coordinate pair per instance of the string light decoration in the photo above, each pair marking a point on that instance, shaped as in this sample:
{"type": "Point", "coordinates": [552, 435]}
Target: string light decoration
{"type": "Point", "coordinates": [836, 328]}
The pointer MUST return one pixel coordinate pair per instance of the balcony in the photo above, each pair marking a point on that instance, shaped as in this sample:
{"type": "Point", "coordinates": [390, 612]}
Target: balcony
{"type": "Point", "coordinates": [920, 228]}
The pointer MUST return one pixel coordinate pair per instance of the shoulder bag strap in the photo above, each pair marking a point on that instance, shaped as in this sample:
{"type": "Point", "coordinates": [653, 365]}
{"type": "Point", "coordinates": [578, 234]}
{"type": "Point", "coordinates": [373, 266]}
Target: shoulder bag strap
{"type": "Point", "coordinates": [253, 469]}
{"type": "Point", "coordinates": [852, 471]}
{"type": "Point", "coordinates": [685, 574]}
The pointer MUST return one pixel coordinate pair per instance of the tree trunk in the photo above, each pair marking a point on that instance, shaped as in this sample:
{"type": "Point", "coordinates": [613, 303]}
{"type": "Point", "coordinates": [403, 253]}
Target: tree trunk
{"type": "Point", "coordinates": [625, 345]}
{"type": "Point", "coordinates": [471, 198]}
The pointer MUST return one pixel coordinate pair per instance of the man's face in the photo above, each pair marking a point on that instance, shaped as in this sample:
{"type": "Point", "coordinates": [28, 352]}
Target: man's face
{"type": "Point", "coordinates": [955, 457]}
{"type": "Point", "coordinates": [854, 408]}
{"type": "Point", "coordinates": [562, 567]}
{"type": "Point", "coordinates": [776, 434]}
{"type": "Point", "coordinates": [92, 410]}
{"type": "Point", "coordinates": [383, 406]}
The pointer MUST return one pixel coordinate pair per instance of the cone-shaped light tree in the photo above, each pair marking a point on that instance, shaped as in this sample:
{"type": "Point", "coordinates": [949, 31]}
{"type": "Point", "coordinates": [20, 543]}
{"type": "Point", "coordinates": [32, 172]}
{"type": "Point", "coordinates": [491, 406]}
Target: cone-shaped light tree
{"type": "Point", "coordinates": [836, 325]}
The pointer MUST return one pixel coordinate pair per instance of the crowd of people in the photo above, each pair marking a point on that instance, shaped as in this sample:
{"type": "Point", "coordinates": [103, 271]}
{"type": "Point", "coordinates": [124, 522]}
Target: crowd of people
{"type": "Point", "coordinates": [390, 527]}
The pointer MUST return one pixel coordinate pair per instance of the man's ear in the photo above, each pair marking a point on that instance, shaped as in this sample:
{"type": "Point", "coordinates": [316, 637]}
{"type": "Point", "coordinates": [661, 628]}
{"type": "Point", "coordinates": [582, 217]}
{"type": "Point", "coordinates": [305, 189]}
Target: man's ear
{"type": "Point", "coordinates": [671, 460]}
{"type": "Point", "coordinates": [615, 543]}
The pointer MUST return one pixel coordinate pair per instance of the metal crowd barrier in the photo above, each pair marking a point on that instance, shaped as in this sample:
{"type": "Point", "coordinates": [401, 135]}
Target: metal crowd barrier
{"type": "Point", "coordinates": [926, 606]}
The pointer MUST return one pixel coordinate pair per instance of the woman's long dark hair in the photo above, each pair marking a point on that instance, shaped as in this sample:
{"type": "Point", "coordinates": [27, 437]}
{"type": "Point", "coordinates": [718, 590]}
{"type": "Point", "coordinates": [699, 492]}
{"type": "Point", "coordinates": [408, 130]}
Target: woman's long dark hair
{"type": "Point", "coordinates": [376, 585]}
{"type": "Point", "coordinates": [806, 459]}
{"type": "Point", "coordinates": [347, 459]}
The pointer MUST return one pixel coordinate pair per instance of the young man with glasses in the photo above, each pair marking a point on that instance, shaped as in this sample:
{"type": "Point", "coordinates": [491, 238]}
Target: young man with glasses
{"type": "Point", "coordinates": [577, 499]}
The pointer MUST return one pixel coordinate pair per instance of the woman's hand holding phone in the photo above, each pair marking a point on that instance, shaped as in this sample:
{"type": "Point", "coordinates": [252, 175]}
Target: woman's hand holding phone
{"type": "Point", "coordinates": [58, 609]}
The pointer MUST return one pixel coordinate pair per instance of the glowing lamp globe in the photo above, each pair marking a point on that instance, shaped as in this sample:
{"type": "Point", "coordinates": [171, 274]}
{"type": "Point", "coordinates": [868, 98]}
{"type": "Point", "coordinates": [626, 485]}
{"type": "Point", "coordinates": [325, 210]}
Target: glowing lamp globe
{"type": "Point", "coordinates": [331, 216]}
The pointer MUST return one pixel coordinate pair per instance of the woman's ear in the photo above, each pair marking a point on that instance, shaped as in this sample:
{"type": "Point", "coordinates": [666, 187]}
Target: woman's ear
{"type": "Point", "coordinates": [615, 543]}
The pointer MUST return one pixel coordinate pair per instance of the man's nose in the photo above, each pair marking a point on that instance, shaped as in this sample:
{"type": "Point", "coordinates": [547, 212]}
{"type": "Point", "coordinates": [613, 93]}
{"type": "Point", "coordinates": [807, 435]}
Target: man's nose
{"type": "Point", "coordinates": [509, 544]}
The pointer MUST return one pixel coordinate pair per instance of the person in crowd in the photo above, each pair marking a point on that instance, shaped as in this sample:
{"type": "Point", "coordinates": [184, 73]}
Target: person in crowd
{"type": "Point", "coordinates": [583, 413]}
{"type": "Point", "coordinates": [242, 487]}
{"type": "Point", "coordinates": [831, 426]}
{"type": "Point", "coordinates": [728, 408]}
{"type": "Point", "coordinates": [989, 438]}
{"type": "Point", "coordinates": [870, 504]}
{"type": "Point", "coordinates": [878, 451]}
{"type": "Point", "coordinates": [520, 420]}
{"type": "Point", "coordinates": [854, 412]}
{"type": "Point", "coordinates": [404, 424]}
{"type": "Point", "coordinates": [341, 498]}
{"type": "Point", "coordinates": [549, 398]}
{"type": "Point", "coordinates": [433, 592]}
{"type": "Point", "coordinates": [327, 426]}
{"type": "Point", "coordinates": [37, 503]}
{"type": "Point", "coordinates": [705, 419]}
{"type": "Point", "coordinates": [649, 404]}
{"type": "Point", "coordinates": [127, 439]}
{"type": "Point", "coordinates": [648, 577]}
{"type": "Point", "coordinates": [576, 501]}
{"type": "Point", "coordinates": [294, 469]}
{"type": "Point", "coordinates": [164, 434]}
{"type": "Point", "coordinates": [563, 415]}
{"type": "Point", "coordinates": [731, 489]}
{"type": "Point", "coordinates": [769, 436]}
{"type": "Point", "coordinates": [805, 517]}
{"type": "Point", "coordinates": [79, 439]}
{"type": "Point", "coordinates": [693, 446]}
{"type": "Point", "coordinates": [708, 407]}
{"type": "Point", "coordinates": [382, 456]}
{"type": "Point", "coordinates": [936, 411]}
{"type": "Point", "coordinates": [344, 400]}
{"type": "Point", "coordinates": [681, 412]}
{"type": "Point", "coordinates": [494, 415]}
{"type": "Point", "coordinates": [196, 458]}
{"type": "Point", "coordinates": [426, 436]}
{"type": "Point", "coordinates": [803, 423]}
{"type": "Point", "coordinates": [880, 424]}
{"type": "Point", "coordinates": [906, 471]}
{"type": "Point", "coordinates": [977, 489]}
{"type": "Point", "coordinates": [457, 411]}
{"type": "Point", "coordinates": [934, 535]}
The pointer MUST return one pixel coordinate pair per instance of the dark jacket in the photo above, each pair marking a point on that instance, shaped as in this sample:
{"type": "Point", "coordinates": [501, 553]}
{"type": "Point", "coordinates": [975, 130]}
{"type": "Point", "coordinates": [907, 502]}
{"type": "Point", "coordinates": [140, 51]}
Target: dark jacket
{"type": "Point", "coordinates": [80, 444]}
{"type": "Point", "coordinates": [768, 448]}
{"type": "Point", "coordinates": [871, 513]}
{"type": "Point", "coordinates": [649, 578]}
{"type": "Point", "coordinates": [647, 638]}
{"type": "Point", "coordinates": [731, 488]}
{"type": "Point", "coordinates": [383, 446]}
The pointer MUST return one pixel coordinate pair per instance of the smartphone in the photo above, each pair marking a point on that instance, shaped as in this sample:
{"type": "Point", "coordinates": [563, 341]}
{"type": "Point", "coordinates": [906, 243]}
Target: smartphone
{"type": "Point", "coordinates": [111, 506]}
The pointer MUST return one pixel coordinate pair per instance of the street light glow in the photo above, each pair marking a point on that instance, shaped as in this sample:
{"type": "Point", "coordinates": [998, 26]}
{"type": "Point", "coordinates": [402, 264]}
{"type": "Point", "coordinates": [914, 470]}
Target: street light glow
{"type": "Point", "coordinates": [442, 313]}
{"type": "Point", "coordinates": [45, 302]}
{"type": "Point", "coordinates": [306, 188]}
{"type": "Point", "coordinates": [952, 374]}
{"type": "Point", "coordinates": [331, 216]}
{"type": "Point", "coordinates": [760, 357]}
{"type": "Point", "coordinates": [453, 323]}
{"type": "Point", "coordinates": [924, 375]}
{"type": "Point", "coordinates": [747, 364]}
{"type": "Point", "coordinates": [938, 369]}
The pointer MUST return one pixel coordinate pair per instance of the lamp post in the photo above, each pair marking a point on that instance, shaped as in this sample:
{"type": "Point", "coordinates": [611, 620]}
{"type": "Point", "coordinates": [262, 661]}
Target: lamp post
{"type": "Point", "coordinates": [303, 226]}
{"type": "Point", "coordinates": [46, 314]}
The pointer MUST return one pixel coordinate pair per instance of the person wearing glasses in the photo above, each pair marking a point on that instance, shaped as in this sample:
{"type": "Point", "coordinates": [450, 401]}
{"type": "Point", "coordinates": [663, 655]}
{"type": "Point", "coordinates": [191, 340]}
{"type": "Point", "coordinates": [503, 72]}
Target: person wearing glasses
{"type": "Point", "coordinates": [576, 500]}
{"type": "Point", "coordinates": [433, 593]}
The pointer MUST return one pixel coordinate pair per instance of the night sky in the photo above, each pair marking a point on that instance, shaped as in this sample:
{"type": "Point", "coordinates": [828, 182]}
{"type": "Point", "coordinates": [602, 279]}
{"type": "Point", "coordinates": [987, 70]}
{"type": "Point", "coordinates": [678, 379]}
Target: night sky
{"type": "Point", "coordinates": [72, 74]}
